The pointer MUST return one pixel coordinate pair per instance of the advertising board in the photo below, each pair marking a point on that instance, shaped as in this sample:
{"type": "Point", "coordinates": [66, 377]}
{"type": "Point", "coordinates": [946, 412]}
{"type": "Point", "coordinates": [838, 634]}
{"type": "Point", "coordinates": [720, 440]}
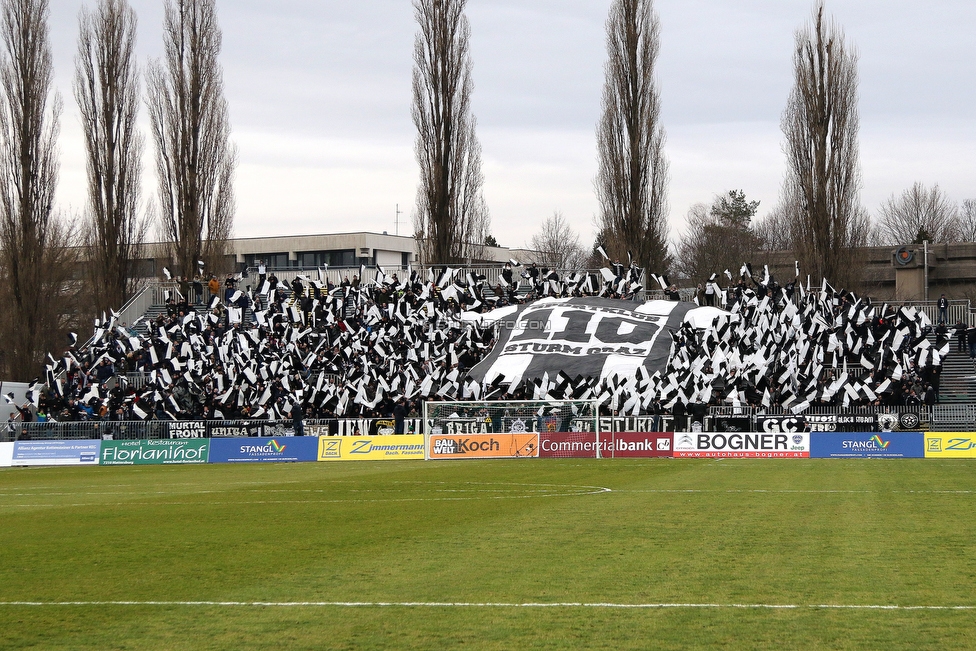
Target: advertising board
{"type": "Point", "coordinates": [483, 446]}
{"type": "Point", "coordinates": [6, 454]}
{"type": "Point", "coordinates": [188, 429]}
{"type": "Point", "coordinates": [264, 449]}
{"type": "Point", "coordinates": [860, 445]}
{"type": "Point", "coordinates": [572, 445]}
{"type": "Point", "coordinates": [371, 448]}
{"type": "Point", "coordinates": [154, 452]}
{"type": "Point", "coordinates": [56, 453]}
{"type": "Point", "coordinates": [641, 445]}
{"type": "Point", "coordinates": [747, 445]}
{"type": "Point", "coordinates": [950, 445]}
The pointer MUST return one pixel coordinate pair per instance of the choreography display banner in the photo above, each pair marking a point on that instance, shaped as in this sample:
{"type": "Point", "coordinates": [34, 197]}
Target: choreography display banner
{"type": "Point", "coordinates": [483, 446]}
{"type": "Point", "coordinates": [6, 454]}
{"type": "Point", "coordinates": [293, 448]}
{"type": "Point", "coordinates": [950, 445]}
{"type": "Point", "coordinates": [371, 448]}
{"type": "Point", "coordinates": [746, 445]}
{"type": "Point", "coordinates": [641, 445]}
{"type": "Point", "coordinates": [893, 445]}
{"type": "Point", "coordinates": [592, 337]}
{"type": "Point", "coordinates": [154, 452]}
{"type": "Point", "coordinates": [56, 453]}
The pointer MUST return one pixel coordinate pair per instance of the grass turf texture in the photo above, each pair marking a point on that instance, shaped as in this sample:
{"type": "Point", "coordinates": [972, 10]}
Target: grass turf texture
{"type": "Point", "coordinates": [691, 531]}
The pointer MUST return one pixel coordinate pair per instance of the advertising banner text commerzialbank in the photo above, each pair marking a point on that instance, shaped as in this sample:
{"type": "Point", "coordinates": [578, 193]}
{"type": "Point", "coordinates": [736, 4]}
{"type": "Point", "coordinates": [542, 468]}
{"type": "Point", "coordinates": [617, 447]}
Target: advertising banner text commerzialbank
{"type": "Point", "coordinates": [741, 445]}
{"type": "Point", "coordinates": [483, 446]}
{"type": "Point", "coordinates": [884, 445]}
{"type": "Point", "coordinates": [292, 448]}
{"type": "Point", "coordinates": [950, 445]}
{"type": "Point", "coordinates": [154, 452]}
{"type": "Point", "coordinates": [371, 448]}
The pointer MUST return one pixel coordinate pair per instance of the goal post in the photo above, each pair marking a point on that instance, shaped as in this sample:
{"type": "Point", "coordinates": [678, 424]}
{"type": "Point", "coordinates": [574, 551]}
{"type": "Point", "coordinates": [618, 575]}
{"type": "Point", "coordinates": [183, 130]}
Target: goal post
{"type": "Point", "coordinates": [512, 417]}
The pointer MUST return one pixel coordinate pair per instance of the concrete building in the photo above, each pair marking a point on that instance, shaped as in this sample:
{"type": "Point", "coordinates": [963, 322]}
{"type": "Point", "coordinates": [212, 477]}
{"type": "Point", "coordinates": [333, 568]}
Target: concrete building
{"type": "Point", "coordinates": [336, 250]}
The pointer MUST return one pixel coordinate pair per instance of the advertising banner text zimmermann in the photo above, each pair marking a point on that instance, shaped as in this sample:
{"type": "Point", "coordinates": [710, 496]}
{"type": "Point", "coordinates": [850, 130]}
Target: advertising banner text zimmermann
{"type": "Point", "coordinates": [371, 448]}
{"type": "Point", "coordinates": [483, 446]}
{"type": "Point", "coordinates": [950, 445]}
{"type": "Point", "coordinates": [745, 445]}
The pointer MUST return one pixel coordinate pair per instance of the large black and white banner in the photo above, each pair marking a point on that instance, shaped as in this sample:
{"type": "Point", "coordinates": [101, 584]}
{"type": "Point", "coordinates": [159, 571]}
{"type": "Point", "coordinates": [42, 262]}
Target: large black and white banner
{"type": "Point", "coordinates": [592, 337]}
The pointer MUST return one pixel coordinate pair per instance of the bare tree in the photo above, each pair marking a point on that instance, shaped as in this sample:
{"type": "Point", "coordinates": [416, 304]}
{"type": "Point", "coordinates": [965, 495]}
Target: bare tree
{"type": "Point", "coordinates": [32, 239]}
{"type": "Point", "coordinates": [452, 220]}
{"type": "Point", "coordinates": [823, 179]}
{"type": "Point", "coordinates": [967, 221]}
{"type": "Point", "coordinates": [557, 245]}
{"type": "Point", "coordinates": [919, 214]}
{"type": "Point", "coordinates": [631, 183]}
{"type": "Point", "coordinates": [718, 237]}
{"type": "Point", "coordinates": [195, 159]}
{"type": "Point", "coordinates": [106, 87]}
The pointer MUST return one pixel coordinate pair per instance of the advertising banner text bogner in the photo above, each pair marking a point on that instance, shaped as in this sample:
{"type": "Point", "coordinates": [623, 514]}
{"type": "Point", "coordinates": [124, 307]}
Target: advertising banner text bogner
{"type": "Point", "coordinates": [293, 448]}
{"type": "Point", "coordinates": [483, 446]}
{"type": "Point", "coordinates": [56, 453]}
{"type": "Point", "coordinates": [745, 445]}
{"type": "Point", "coordinates": [371, 448]}
{"type": "Point", "coordinates": [154, 452]}
{"type": "Point", "coordinates": [886, 445]}
{"type": "Point", "coordinates": [950, 445]}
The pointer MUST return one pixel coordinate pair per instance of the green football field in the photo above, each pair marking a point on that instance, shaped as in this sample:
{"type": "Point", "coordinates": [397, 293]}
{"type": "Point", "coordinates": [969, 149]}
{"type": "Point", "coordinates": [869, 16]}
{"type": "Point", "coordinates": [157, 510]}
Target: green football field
{"type": "Point", "coordinates": [528, 554]}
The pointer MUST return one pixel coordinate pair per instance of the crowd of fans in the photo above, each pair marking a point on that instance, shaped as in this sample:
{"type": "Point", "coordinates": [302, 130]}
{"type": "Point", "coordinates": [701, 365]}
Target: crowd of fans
{"type": "Point", "coordinates": [315, 350]}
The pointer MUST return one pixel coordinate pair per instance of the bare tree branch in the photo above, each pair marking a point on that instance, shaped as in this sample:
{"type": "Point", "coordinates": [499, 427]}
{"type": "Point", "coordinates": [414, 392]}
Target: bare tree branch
{"type": "Point", "coordinates": [195, 160]}
{"type": "Point", "coordinates": [631, 184]}
{"type": "Point", "coordinates": [35, 260]}
{"type": "Point", "coordinates": [452, 220]}
{"type": "Point", "coordinates": [106, 87]}
{"type": "Point", "coordinates": [919, 214]}
{"type": "Point", "coordinates": [823, 179]}
{"type": "Point", "coordinates": [557, 245]}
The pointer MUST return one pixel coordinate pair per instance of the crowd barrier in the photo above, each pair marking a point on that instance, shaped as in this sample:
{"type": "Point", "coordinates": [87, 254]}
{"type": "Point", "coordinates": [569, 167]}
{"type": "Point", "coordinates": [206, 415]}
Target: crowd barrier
{"type": "Point", "coordinates": [523, 445]}
{"type": "Point", "coordinates": [719, 420]}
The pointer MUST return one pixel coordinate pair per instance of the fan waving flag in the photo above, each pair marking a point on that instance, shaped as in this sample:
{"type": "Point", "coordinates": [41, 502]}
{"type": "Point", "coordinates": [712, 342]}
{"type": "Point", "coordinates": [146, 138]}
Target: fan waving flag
{"type": "Point", "coordinates": [592, 337]}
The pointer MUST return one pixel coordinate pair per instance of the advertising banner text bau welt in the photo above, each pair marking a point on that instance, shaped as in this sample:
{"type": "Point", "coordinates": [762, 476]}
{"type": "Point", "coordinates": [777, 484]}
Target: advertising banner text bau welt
{"type": "Point", "coordinates": [483, 446]}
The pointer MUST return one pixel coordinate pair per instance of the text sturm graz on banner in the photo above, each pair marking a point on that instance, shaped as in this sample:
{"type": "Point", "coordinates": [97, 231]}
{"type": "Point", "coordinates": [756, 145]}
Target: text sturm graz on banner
{"type": "Point", "coordinates": [592, 337]}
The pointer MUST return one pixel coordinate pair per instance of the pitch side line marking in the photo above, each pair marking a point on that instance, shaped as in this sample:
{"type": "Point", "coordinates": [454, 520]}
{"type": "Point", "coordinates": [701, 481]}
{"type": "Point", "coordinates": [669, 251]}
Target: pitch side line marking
{"type": "Point", "coordinates": [462, 604]}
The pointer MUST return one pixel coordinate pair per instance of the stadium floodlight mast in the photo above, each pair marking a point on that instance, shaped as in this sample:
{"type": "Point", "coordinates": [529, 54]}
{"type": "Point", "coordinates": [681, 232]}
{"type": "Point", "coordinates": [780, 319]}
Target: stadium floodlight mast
{"type": "Point", "coordinates": [512, 417]}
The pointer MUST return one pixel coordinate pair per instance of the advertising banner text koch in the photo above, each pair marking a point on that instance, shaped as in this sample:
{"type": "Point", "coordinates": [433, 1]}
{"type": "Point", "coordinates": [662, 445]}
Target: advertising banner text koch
{"type": "Point", "coordinates": [483, 446]}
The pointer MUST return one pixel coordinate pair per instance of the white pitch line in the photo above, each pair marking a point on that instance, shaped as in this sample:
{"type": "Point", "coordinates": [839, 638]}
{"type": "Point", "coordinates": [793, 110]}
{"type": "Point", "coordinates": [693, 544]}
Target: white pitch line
{"type": "Point", "coordinates": [463, 604]}
{"type": "Point", "coordinates": [795, 491]}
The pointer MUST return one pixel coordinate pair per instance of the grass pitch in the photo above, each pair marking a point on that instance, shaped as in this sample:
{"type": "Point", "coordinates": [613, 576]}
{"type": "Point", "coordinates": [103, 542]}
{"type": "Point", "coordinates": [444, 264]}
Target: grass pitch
{"type": "Point", "coordinates": [687, 541]}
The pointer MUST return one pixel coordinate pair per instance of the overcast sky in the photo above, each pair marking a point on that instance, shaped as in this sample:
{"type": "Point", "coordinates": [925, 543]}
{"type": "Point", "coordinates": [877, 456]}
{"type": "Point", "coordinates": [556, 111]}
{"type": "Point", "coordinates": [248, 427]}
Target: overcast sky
{"type": "Point", "coordinates": [319, 94]}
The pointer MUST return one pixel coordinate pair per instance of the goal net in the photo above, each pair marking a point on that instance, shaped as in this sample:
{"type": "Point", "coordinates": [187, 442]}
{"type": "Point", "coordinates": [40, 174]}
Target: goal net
{"type": "Point", "coordinates": [511, 417]}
